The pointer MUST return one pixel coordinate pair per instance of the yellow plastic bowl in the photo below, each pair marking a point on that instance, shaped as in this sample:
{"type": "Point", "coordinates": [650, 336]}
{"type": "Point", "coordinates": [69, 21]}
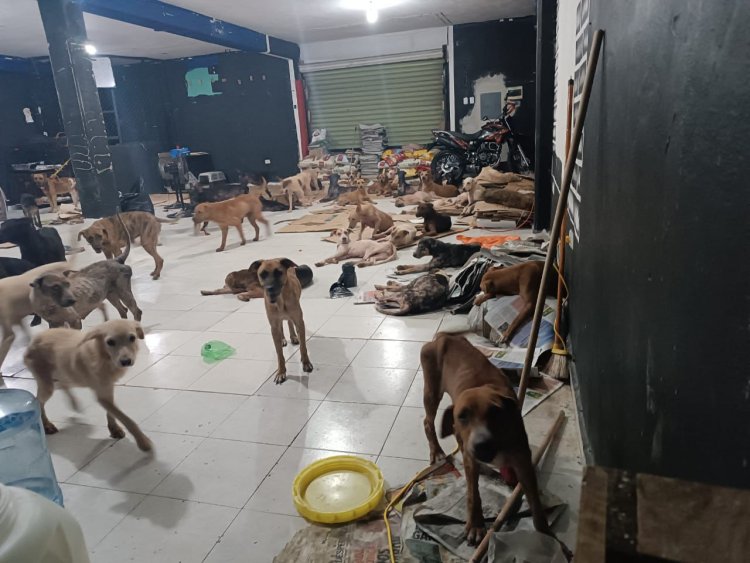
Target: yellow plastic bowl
{"type": "Point", "coordinates": [338, 489]}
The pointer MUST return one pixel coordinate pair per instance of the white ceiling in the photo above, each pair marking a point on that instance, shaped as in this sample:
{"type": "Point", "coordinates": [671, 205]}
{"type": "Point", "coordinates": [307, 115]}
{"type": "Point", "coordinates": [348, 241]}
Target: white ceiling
{"type": "Point", "coordinates": [301, 21]}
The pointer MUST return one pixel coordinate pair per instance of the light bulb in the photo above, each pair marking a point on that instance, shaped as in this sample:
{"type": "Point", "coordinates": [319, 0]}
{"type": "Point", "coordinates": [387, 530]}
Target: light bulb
{"type": "Point", "coordinates": [89, 48]}
{"type": "Point", "coordinates": [372, 14]}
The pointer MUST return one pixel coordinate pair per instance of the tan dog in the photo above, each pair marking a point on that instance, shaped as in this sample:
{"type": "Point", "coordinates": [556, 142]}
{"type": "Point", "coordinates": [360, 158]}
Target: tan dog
{"type": "Point", "coordinates": [230, 213]}
{"type": "Point", "coordinates": [95, 359]}
{"type": "Point", "coordinates": [386, 183]}
{"type": "Point", "coordinates": [415, 199]}
{"type": "Point", "coordinates": [403, 234]}
{"type": "Point", "coordinates": [108, 235]}
{"type": "Point", "coordinates": [522, 279]}
{"type": "Point", "coordinates": [354, 197]}
{"type": "Point", "coordinates": [282, 291]}
{"type": "Point", "coordinates": [300, 186]}
{"type": "Point", "coordinates": [427, 184]}
{"type": "Point", "coordinates": [52, 186]}
{"type": "Point", "coordinates": [368, 215]}
{"type": "Point", "coordinates": [371, 252]}
{"type": "Point", "coordinates": [486, 419]}
{"type": "Point", "coordinates": [15, 303]}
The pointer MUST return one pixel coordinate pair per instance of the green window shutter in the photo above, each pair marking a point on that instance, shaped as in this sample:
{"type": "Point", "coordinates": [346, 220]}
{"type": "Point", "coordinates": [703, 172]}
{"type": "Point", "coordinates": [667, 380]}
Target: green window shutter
{"type": "Point", "coordinates": [405, 97]}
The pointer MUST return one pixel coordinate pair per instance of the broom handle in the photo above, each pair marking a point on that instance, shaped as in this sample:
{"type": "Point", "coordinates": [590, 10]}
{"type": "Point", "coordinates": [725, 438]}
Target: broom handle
{"type": "Point", "coordinates": [562, 203]}
{"type": "Point", "coordinates": [511, 501]}
{"type": "Point", "coordinates": [559, 344]}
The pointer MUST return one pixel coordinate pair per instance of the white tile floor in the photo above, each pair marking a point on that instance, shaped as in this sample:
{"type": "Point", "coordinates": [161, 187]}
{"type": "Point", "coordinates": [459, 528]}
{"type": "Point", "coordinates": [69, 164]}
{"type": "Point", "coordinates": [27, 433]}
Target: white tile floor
{"type": "Point", "coordinates": [228, 441]}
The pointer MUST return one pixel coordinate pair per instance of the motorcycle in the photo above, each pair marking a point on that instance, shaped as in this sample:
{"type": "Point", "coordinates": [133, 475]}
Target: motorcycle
{"type": "Point", "coordinates": [461, 153]}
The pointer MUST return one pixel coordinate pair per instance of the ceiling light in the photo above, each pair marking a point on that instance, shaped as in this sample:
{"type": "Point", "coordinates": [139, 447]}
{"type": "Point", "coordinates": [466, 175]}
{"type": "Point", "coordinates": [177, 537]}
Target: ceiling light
{"type": "Point", "coordinates": [89, 48]}
{"type": "Point", "coordinates": [372, 13]}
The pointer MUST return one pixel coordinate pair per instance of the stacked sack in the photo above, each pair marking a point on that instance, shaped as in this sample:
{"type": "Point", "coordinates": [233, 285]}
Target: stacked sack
{"type": "Point", "coordinates": [409, 159]}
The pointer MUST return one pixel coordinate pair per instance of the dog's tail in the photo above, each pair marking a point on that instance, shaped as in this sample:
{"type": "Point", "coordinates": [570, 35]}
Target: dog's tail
{"type": "Point", "coordinates": [166, 221]}
{"type": "Point", "coordinates": [124, 256]}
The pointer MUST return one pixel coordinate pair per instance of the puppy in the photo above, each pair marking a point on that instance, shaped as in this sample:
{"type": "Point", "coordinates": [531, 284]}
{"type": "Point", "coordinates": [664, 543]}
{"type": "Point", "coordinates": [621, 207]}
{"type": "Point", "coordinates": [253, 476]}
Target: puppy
{"type": "Point", "coordinates": [434, 222]}
{"type": "Point", "coordinates": [68, 297]}
{"type": "Point", "coordinates": [444, 255]}
{"type": "Point", "coordinates": [425, 294]}
{"type": "Point", "coordinates": [371, 252]}
{"type": "Point", "coordinates": [522, 279]}
{"type": "Point", "coordinates": [110, 235]}
{"type": "Point", "coordinates": [31, 210]}
{"type": "Point", "coordinates": [282, 291]}
{"type": "Point", "coordinates": [427, 184]}
{"type": "Point", "coordinates": [246, 286]}
{"type": "Point", "coordinates": [484, 416]}
{"type": "Point", "coordinates": [15, 303]}
{"type": "Point", "coordinates": [95, 359]}
{"type": "Point", "coordinates": [51, 187]}
{"type": "Point", "coordinates": [230, 213]}
{"type": "Point", "coordinates": [42, 246]}
{"type": "Point", "coordinates": [368, 215]}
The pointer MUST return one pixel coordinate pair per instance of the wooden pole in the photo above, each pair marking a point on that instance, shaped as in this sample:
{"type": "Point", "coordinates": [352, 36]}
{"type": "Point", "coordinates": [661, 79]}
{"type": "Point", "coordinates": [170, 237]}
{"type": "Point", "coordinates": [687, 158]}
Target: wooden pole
{"type": "Point", "coordinates": [515, 496]}
{"type": "Point", "coordinates": [562, 203]}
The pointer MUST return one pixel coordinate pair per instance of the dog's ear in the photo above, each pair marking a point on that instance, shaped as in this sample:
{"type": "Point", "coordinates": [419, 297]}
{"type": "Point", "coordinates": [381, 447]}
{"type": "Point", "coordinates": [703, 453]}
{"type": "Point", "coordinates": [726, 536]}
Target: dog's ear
{"type": "Point", "coordinates": [81, 233]}
{"type": "Point", "coordinates": [287, 263]}
{"type": "Point", "coordinates": [67, 273]}
{"type": "Point", "coordinates": [446, 425]}
{"type": "Point", "coordinates": [37, 283]}
{"type": "Point", "coordinates": [139, 331]}
{"type": "Point", "coordinates": [95, 334]}
{"type": "Point", "coordinates": [104, 233]}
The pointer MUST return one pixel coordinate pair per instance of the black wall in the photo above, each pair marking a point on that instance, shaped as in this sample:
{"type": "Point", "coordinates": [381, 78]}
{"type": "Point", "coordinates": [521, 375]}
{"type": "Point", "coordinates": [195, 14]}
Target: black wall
{"type": "Point", "coordinates": [250, 121]}
{"type": "Point", "coordinates": [505, 47]}
{"type": "Point", "coordinates": [659, 279]}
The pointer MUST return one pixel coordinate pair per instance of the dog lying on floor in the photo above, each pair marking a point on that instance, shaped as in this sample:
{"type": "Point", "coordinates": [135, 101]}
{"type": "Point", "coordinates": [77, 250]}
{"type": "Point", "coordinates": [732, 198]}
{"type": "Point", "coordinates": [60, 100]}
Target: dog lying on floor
{"type": "Point", "coordinates": [95, 359]}
{"type": "Point", "coordinates": [371, 252]}
{"type": "Point", "coordinates": [403, 234]}
{"type": "Point", "coordinates": [425, 294]}
{"type": "Point", "coordinates": [428, 185]}
{"type": "Point", "coordinates": [13, 266]}
{"type": "Point", "coordinates": [444, 255]}
{"type": "Point", "coordinates": [52, 186]}
{"type": "Point", "coordinates": [282, 291]}
{"type": "Point", "coordinates": [68, 297]}
{"type": "Point", "coordinates": [246, 285]}
{"type": "Point", "coordinates": [368, 215]}
{"type": "Point", "coordinates": [414, 199]}
{"type": "Point", "coordinates": [15, 303]}
{"type": "Point", "coordinates": [110, 235]}
{"type": "Point", "coordinates": [230, 213]}
{"type": "Point", "coordinates": [43, 246]}
{"type": "Point", "coordinates": [522, 279]}
{"type": "Point", "coordinates": [484, 416]}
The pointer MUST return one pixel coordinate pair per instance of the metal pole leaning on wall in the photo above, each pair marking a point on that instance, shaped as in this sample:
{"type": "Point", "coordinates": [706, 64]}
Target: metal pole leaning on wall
{"type": "Point", "coordinates": [560, 211]}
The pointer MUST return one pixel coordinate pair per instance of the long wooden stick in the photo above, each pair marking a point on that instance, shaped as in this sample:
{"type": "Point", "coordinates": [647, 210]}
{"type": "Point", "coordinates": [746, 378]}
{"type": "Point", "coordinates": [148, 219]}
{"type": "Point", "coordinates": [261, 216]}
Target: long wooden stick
{"type": "Point", "coordinates": [515, 496]}
{"type": "Point", "coordinates": [562, 203]}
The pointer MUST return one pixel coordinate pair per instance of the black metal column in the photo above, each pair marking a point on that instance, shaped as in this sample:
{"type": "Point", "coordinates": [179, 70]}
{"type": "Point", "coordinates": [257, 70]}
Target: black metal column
{"type": "Point", "coordinates": [79, 106]}
{"type": "Point", "coordinates": [546, 22]}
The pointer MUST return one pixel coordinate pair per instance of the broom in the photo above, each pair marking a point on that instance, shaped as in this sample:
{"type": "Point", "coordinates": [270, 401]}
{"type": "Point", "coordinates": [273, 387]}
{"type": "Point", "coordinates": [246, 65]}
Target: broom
{"type": "Point", "coordinates": [557, 366]}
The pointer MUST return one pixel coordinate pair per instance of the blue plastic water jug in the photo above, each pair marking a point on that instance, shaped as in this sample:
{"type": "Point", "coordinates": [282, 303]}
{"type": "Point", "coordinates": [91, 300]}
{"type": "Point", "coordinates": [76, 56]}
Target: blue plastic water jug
{"type": "Point", "coordinates": [24, 458]}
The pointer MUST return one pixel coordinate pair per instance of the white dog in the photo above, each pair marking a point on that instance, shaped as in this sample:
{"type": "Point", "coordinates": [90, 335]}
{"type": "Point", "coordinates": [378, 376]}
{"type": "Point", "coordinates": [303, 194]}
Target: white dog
{"type": "Point", "coordinates": [372, 252]}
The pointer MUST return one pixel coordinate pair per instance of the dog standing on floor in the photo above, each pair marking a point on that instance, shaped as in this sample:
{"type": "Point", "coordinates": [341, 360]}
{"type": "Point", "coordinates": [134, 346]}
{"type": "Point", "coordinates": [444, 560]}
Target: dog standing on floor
{"type": "Point", "coordinates": [95, 359]}
{"type": "Point", "coordinates": [53, 185]}
{"type": "Point", "coordinates": [31, 209]}
{"type": "Point", "coordinates": [230, 213]}
{"type": "Point", "coordinates": [282, 292]}
{"type": "Point", "coordinates": [109, 236]}
{"type": "Point", "coordinates": [522, 279]}
{"type": "Point", "coordinates": [246, 285]}
{"type": "Point", "coordinates": [485, 418]}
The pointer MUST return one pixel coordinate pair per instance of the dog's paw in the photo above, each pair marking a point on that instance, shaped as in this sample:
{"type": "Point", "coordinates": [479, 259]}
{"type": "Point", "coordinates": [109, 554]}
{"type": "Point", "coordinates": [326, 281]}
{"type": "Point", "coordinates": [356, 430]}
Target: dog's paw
{"type": "Point", "coordinates": [116, 432]}
{"type": "Point", "coordinates": [280, 378]}
{"type": "Point", "coordinates": [144, 444]}
{"type": "Point", "coordinates": [307, 366]}
{"type": "Point", "coordinates": [319, 264]}
{"type": "Point", "coordinates": [283, 342]}
{"type": "Point", "coordinates": [474, 533]}
{"type": "Point", "coordinates": [219, 250]}
{"type": "Point", "coordinates": [243, 297]}
{"type": "Point", "coordinates": [50, 428]}
{"type": "Point", "coordinates": [154, 276]}
{"type": "Point", "coordinates": [437, 455]}
{"type": "Point", "coordinates": [295, 340]}
{"type": "Point", "coordinates": [243, 243]}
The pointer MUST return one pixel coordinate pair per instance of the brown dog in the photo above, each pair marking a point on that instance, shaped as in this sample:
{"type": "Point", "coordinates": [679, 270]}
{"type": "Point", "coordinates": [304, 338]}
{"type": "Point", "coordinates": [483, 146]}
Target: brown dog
{"type": "Point", "coordinates": [485, 417]}
{"type": "Point", "coordinates": [246, 285]}
{"type": "Point", "coordinates": [294, 187]}
{"type": "Point", "coordinates": [282, 291]}
{"type": "Point", "coordinates": [415, 199]}
{"type": "Point", "coordinates": [108, 235]}
{"type": "Point", "coordinates": [427, 184]}
{"type": "Point", "coordinates": [230, 213]}
{"type": "Point", "coordinates": [522, 279]}
{"type": "Point", "coordinates": [354, 197]}
{"type": "Point", "coordinates": [51, 186]}
{"type": "Point", "coordinates": [368, 215]}
{"type": "Point", "coordinates": [95, 359]}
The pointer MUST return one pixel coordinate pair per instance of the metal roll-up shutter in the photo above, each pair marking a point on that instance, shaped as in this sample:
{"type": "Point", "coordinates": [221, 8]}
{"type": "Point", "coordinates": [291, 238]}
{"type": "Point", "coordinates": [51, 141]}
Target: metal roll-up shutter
{"type": "Point", "coordinates": [405, 97]}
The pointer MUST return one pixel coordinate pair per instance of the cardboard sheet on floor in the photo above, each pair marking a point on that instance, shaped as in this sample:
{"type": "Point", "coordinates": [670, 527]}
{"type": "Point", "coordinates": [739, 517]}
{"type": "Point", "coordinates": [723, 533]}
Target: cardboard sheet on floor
{"type": "Point", "coordinates": [429, 529]}
{"type": "Point", "coordinates": [317, 222]}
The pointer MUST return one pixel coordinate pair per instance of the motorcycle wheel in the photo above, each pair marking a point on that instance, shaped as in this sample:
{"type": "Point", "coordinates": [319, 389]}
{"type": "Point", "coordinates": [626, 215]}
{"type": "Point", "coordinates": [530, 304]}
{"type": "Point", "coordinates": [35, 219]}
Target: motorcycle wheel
{"type": "Point", "coordinates": [517, 159]}
{"type": "Point", "coordinates": [448, 164]}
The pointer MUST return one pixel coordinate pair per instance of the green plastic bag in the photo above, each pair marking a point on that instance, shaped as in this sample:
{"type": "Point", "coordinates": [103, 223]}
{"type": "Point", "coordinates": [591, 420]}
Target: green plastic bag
{"type": "Point", "coordinates": [216, 350]}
